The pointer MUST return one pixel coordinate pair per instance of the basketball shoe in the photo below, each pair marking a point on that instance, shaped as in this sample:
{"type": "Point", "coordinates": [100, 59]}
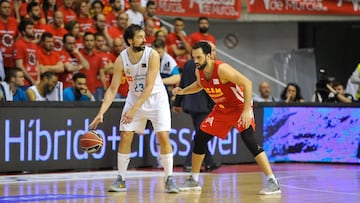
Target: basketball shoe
{"type": "Point", "coordinates": [272, 187]}
{"type": "Point", "coordinates": [170, 186]}
{"type": "Point", "coordinates": [190, 185]}
{"type": "Point", "coordinates": [118, 186]}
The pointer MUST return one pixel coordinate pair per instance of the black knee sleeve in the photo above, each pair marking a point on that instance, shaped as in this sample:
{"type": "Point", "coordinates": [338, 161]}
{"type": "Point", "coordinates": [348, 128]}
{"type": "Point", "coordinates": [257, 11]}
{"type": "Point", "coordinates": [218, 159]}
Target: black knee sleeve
{"type": "Point", "coordinates": [250, 142]}
{"type": "Point", "coordinates": [200, 142]}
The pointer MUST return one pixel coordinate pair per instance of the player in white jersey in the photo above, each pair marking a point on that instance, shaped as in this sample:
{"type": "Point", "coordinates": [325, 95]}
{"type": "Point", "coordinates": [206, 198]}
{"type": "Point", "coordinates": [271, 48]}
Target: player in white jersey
{"type": "Point", "coordinates": [147, 99]}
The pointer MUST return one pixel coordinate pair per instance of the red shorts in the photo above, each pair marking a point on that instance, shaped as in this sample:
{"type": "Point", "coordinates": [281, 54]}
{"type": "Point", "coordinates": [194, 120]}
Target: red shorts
{"type": "Point", "coordinates": [220, 121]}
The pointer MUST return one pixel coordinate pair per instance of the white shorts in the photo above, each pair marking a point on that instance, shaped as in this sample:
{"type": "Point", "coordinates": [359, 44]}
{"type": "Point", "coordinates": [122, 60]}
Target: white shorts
{"type": "Point", "coordinates": [156, 109]}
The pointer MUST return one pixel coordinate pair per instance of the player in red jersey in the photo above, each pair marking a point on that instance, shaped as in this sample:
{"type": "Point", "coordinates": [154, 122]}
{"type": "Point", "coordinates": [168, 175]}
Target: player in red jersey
{"type": "Point", "coordinates": [8, 33]}
{"type": "Point", "coordinates": [232, 94]}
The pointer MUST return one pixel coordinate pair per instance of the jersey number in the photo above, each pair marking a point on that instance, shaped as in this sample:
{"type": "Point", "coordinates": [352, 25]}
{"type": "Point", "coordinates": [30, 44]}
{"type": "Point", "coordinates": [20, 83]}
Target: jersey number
{"type": "Point", "coordinates": [139, 87]}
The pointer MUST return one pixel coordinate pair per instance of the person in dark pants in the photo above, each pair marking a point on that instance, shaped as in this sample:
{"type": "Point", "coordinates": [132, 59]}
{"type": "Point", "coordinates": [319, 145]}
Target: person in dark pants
{"type": "Point", "coordinates": [198, 106]}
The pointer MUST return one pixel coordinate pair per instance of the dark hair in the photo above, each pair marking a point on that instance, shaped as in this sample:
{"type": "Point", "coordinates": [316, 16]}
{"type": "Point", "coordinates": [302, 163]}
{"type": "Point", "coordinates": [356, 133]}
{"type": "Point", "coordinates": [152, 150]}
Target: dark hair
{"type": "Point", "coordinates": [66, 36]}
{"type": "Point", "coordinates": [31, 5]}
{"type": "Point", "coordinates": [47, 74]}
{"type": "Point", "coordinates": [99, 34]}
{"type": "Point", "coordinates": [2, 1]}
{"type": "Point", "coordinates": [11, 72]}
{"type": "Point", "coordinates": [298, 96]}
{"type": "Point", "coordinates": [46, 7]}
{"type": "Point", "coordinates": [130, 32]}
{"type": "Point", "coordinates": [158, 43]}
{"type": "Point", "coordinates": [78, 75]}
{"type": "Point", "coordinates": [178, 19]}
{"type": "Point", "coordinates": [203, 18]}
{"type": "Point", "coordinates": [97, 2]}
{"type": "Point", "coordinates": [70, 25]}
{"type": "Point", "coordinates": [337, 83]}
{"type": "Point", "coordinates": [45, 35]}
{"type": "Point", "coordinates": [88, 33]}
{"type": "Point", "coordinates": [23, 24]}
{"type": "Point", "coordinates": [206, 48]}
{"type": "Point", "coordinates": [150, 3]}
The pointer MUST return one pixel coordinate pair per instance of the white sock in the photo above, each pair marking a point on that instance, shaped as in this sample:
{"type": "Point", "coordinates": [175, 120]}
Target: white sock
{"type": "Point", "coordinates": [167, 161]}
{"type": "Point", "coordinates": [195, 176]}
{"type": "Point", "coordinates": [123, 163]}
{"type": "Point", "coordinates": [271, 176]}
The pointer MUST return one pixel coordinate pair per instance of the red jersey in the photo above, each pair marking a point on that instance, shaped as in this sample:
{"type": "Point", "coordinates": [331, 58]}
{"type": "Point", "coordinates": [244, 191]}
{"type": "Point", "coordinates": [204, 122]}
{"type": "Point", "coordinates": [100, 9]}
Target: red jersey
{"type": "Point", "coordinates": [115, 32]}
{"type": "Point", "coordinates": [95, 63]}
{"type": "Point", "coordinates": [198, 36]}
{"type": "Point", "coordinates": [27, 51]}
{"type": "Point", "coordinates": [85, 23]}
{"type": "Point", "coordinates": [228, 94]}
{"type": "Point", "coordinates": [58, 34]}
{"type": "Point", "coordinates": [51, 58]}
{"type": "Point", "coordinates": [66, 76]}
{"type": "Point", "coordinates": [69, 14]}
{"type": "Point", "coordinates": [173, 39]}
{"type": "Point", "coordinates": [8, 33]}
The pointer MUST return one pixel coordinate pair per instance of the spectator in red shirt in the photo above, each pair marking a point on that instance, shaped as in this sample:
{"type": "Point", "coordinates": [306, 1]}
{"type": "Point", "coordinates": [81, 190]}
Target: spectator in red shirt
{"type": "Point", "coordinates": [106, 56]}
{"type": "Point", "coordinates": [118, 46]}
{"type": "Point", "coordinates": [24, 13]}
{"type": "Point", "coordinates": [116, 9]}
{"type": "Point", "coordinates": [67, 10]}
{"type": "Point", "coordinates": [57, 30]}
{"type": "Point", "coordinates": [101, 27]}
{"type": "Point", "coordinates": [121, 24]}
{"type": "Point", "coordinates": [96, 78]}
{"type": "Point", "coordinates": [73, 60]}
{"type": "Point", "coordinates": [178, 44]}
{"type": "Point", "coordinates": [25, 55]}
{"type": "Point", "coordinates": [97, 7]}
{"type": "Point", "coordinates": [49, 60]}
{"type": "Point", "coordinates": [34, 13]}
{"type": "Point", "coordinates": [73, 27]}
{"type": "Point", "coordinates": [49, 8]}
{"type": "Point", "coordinates": [84, 18]}
{"type": "Point", "coordinates": [150, 14]}
{"type": "Point", "coordinates": [202, 34]}
{"type": "Point", "coordinates": [149, 32]}
{"type": "Point", "coordinates": [8, 33]}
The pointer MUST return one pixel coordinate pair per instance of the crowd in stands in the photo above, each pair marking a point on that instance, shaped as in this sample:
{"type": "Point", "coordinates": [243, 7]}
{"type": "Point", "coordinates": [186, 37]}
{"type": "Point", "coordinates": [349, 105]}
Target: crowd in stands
{"type": "Point", "coordinates": [75, 43]}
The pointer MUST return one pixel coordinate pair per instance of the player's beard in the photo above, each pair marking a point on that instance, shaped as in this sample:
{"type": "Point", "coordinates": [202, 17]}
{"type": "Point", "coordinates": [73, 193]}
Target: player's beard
{"type": "Point", "coordinates": [138, 48]}
{"type": "Point", "coordinates": [202, 66]}
{"type": "Point", "coordinates": [203, 29]}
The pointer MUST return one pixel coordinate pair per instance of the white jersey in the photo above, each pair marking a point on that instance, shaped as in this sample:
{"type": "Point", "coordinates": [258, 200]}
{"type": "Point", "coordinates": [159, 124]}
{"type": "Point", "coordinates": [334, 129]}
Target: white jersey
{"type": "Point", "coordinates": [37, 94]}
{"type": "Point", "coordinates": [136, 73]}
{"type": "Point", "coordinates": [167, 64]}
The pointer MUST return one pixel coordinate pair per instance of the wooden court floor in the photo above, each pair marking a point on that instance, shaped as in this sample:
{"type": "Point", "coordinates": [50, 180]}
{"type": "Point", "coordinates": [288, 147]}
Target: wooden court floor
{"type": "Point", "coordinates": [316, 183]}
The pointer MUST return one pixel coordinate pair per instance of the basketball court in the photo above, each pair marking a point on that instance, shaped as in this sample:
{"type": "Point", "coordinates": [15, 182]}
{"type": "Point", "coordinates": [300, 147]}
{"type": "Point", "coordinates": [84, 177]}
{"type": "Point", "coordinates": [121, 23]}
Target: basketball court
{"type": "Point", "coordinates": [230, 183]}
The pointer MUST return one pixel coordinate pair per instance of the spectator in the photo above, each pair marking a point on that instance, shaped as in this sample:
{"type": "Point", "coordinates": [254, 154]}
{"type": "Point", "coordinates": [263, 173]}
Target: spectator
{"type": "Point", "coordinates": [95, 77]}
{"type": "Point", "coordinates": [202, 34]}
{"type": "Point", "coordinates": [8, 33]}
{"type": "Point", "coordinates": [119, 45]}
{"type": "Point", "coordinates": [121, 24]}
{"type": "Point", "coordinates": [79, 91]}
{"type": "Point", "coordinates": [101, 27]}
{"type": "Point", "coordinates": [73, 27]}
{"type": "Point", "coordinates": [40, 92]}
{"type": "Point", "coordinates": [34, 12]}
{"type": "Point", "coordinates": [111, 17]}
{"type": "Point", "coordinates": [149, 32]}
{"type": "Point", "coordinates": [68, 11]}
{"type": "Point", "coordinates": [57, 30]}
{"type": "Point", "coordinates": [10, 88]}
{"type": "Point", "coordinates": [25, 52]}
{"type": "Point", "coordinates": [160, 34]}
{"type": "Point", "coordinates": [337, 93]}
{"type": "Point", "coordinates": [73, 60]}
{"type": "Point", "coordinates": [97, 7]}
{"type": "Point", "coordinates": [353, 84]}
{"type": "Point", "coordinates": [291, 93]}
{"type": "Point", "coordinates": [105, 55]}
{"type": "Point", "coordinates": [84, 18]}
{"type": "Point", "coordinates": [24, 12]}
{"type": "Point", "coordinates": [265, 93]}
{"type": "Point", "coordinates": [150, 14]}
{"type": "Point", "coordinates": [177, 43]}
{"type": "Point", "coordinates": [134, 13]}
{"type": "Point", "coordinates": [49, 8]}
{"type": "Point", "coordinates": [49, 60]}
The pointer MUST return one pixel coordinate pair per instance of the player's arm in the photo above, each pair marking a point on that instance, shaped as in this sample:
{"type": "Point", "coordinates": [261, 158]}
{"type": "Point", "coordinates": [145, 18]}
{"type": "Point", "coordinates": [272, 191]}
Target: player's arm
{"type": "Point", "coordinates": [153, 71]}
{"type": "Point", "coordinates": [19, 64]}
{"type": "Point", "coordinates": [30, 94]}
{"type": "Point", "coordinates": [229, 74]}
{"type": "Point", "coordinates": [112, 90]}
{"type": "Point", "coordinates": [191, 89]}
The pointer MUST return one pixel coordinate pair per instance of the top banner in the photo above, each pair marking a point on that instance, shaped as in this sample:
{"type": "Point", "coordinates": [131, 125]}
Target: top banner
{"type": "Point", "coordinates": [307, 7]}
{"type": "Point", "coordinates": [223, 9]}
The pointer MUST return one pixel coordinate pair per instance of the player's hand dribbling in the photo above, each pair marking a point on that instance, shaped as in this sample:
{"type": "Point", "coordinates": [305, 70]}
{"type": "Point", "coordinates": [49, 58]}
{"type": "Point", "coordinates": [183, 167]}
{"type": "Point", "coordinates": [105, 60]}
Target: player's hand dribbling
{"type": "Point", "coordinates": [97, 120]}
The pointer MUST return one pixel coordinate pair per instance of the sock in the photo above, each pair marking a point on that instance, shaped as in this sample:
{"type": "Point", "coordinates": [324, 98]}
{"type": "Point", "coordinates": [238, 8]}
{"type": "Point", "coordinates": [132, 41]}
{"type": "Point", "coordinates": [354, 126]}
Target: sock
{"type": "Point", "coordinates": [195, 176]}
{"type": "Point", "coordinates": [271, 176]}
{"type": "Point", "coordinates": [167, 162]}
{"type": "Point", "coordinates": [123, 163]}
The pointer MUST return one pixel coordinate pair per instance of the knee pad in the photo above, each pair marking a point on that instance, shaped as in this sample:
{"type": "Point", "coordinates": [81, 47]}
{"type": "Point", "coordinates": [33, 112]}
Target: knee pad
{"type": "Point", "coordinates": [250, 141]}
{"type": "Point", "coordinates": [200, 142]}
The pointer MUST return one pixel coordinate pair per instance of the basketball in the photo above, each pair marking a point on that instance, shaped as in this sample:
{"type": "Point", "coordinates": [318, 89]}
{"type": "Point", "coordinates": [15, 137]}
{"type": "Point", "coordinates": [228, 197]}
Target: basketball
{"type": "Point", "coordinates": [91, 141]}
